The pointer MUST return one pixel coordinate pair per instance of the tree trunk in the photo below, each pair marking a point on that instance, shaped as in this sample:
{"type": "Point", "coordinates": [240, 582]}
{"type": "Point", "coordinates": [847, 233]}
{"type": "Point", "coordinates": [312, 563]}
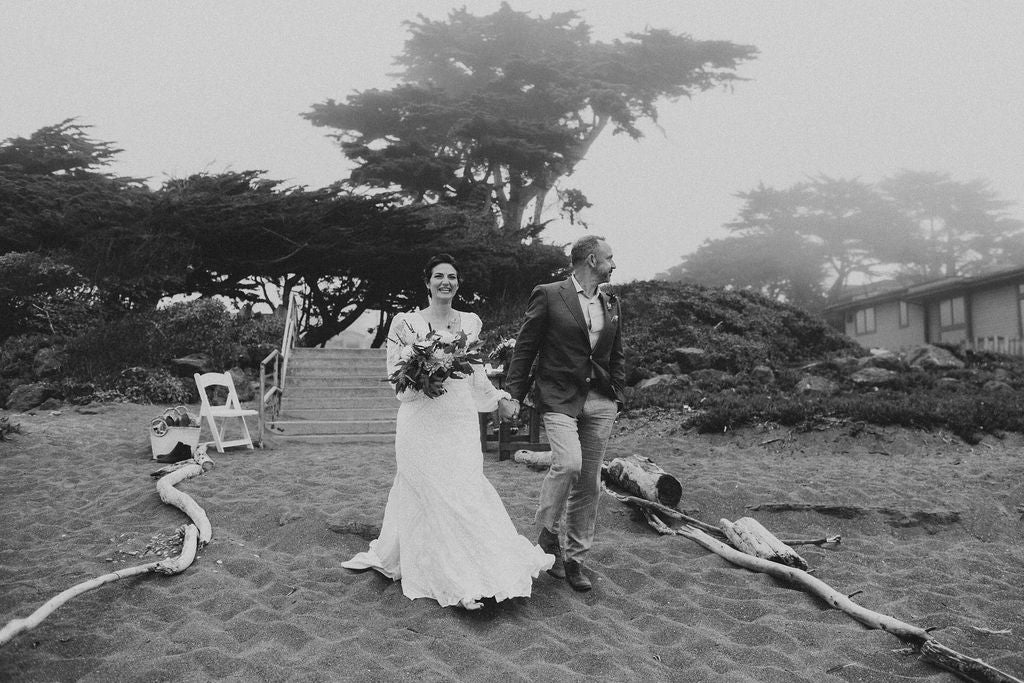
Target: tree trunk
{"type": "Point", "coordinates": [640, 476]}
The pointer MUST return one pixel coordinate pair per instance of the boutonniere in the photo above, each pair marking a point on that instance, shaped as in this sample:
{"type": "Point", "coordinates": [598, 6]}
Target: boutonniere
{"type": "Point", "coordinates": [611, 303]}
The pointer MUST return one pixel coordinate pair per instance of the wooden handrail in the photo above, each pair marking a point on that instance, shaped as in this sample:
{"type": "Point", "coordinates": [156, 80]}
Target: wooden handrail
{"type": "Point", "coordinates": [273, 394]}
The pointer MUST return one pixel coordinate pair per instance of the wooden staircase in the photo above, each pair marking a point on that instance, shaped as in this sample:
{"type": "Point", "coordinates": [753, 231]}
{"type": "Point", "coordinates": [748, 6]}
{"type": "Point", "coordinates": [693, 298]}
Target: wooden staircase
{"type": "Point", "coordinates": [336, 396]}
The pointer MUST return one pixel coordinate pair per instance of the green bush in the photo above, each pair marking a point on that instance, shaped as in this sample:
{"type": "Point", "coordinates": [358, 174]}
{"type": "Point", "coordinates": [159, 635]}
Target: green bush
{"type": "Point", "coordinates": [149, 385]}
{"type": "Point", "coordinates": [737, 329]}
{"type": "Point", "coordinates": [200, 326]}
{"type": "Point", "coordinates": [145, 342]}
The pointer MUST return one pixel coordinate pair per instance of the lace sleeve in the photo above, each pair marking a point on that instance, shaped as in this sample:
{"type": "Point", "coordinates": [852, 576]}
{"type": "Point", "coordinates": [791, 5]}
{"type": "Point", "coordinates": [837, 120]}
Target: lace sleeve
{"type": "Point", "coordinates": [485, 394]}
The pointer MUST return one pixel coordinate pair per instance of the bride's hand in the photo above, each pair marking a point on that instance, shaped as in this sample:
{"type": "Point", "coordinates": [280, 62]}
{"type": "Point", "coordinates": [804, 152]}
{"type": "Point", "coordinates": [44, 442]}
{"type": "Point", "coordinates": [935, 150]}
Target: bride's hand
{"type": "Point", "coordinates": [508, 408]}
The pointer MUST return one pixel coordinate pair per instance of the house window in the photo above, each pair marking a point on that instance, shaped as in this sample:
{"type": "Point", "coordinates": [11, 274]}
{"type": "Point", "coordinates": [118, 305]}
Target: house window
{"type": "Point", "coordinates": [951, 312]}
{"type": "Point", "coordinates": [904, 314]}
{"type": "Point", "coordinates": [864, 323]}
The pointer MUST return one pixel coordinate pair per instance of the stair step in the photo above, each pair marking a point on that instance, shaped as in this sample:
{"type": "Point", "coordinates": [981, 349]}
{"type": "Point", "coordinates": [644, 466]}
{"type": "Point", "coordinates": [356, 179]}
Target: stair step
{"type": "Point", "coordinates": [338, 353]}
{"type": "Point", "coordinates": [288, 427]}
{"type": "Point", "coordinates": [340, 388]}
{"type": "Point", "coordinates": [318, 365]}
{"type": "Point", "coordinates": [339, 382]}
{"type": "Point", "coordinates": [297, 401]}
{"type": "Point", "coordinates": [334, 438]}
{"type": "Point", "coordinates": [336, 414]}
{"type": "Point", "coordinates": [337, 396]}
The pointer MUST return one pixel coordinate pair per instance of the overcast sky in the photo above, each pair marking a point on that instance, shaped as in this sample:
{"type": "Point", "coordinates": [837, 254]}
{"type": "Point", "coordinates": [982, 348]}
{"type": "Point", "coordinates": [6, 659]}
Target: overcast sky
{"type": "Point", "coordinates": [842, 88]}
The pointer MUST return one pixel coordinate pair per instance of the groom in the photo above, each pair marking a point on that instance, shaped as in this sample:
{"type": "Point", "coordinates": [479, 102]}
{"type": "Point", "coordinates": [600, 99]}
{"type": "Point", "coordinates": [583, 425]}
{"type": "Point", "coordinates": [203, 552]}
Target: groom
{"type": "Point", "coordinates": [573, 332]}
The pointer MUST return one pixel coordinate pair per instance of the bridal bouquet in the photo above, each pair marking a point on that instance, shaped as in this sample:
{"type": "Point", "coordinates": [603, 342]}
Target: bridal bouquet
{"type": "Point", "coordinates": [426, 363]}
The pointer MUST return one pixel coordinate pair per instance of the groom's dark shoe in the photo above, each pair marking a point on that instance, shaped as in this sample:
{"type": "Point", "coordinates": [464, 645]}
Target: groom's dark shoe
{"type": "Point", "coordinates": [575, 576]}
{"type": "Point", "coordinates": [548, 542]}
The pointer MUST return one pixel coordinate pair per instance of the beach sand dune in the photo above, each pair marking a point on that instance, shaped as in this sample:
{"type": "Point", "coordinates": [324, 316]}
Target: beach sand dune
{"type": "Point", "coordinates": [932, 534]}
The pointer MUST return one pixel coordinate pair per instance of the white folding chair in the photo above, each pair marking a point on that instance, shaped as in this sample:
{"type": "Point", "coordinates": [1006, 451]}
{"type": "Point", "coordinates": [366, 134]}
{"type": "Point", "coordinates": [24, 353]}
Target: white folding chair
{"type": "Point", "coordinates": [230, 409]}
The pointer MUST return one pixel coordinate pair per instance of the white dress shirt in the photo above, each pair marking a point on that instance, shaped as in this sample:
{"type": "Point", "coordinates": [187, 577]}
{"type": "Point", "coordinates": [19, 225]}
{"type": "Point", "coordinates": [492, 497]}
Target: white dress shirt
{"type": "Point", "coordinates": [593, 311]}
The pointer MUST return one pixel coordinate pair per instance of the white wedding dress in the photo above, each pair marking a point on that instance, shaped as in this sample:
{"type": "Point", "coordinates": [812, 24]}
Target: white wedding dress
{"type": "Point", "coordinates": [446, 533]}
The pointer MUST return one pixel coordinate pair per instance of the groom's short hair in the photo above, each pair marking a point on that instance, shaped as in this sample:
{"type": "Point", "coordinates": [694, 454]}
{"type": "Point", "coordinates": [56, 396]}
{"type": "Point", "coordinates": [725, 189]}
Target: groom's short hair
{"type": "Point", "coordinates": [584, 247]}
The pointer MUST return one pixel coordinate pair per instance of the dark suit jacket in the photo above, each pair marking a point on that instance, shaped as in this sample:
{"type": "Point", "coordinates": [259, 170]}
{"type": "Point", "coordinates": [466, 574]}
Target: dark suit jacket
{"type": "Point", "coordinates": [555, 335]}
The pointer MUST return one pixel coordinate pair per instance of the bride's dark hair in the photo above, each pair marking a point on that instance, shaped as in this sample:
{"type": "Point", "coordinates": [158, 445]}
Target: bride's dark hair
{"type": "Point", "coordinates": [437, 260]}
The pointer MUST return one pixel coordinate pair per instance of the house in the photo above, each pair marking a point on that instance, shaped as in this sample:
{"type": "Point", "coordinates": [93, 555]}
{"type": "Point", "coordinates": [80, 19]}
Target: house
{"type": "Point", "coordinates": [980, 311]}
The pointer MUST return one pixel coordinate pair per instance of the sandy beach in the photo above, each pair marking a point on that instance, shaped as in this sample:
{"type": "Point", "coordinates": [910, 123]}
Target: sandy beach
{"type": "Point", "coordinates": [932, 534]}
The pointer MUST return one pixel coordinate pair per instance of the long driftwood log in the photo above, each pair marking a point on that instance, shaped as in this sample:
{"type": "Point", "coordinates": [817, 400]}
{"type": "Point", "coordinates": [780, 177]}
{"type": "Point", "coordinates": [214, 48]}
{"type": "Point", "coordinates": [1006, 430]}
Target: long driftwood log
{"type": "Point", "coordinates": [193, 535]}
{"type": "Point", "coordinates": [931, 650]}
{"type": "Point", "coordinates": [536, 460]}
{"type": "Point", "coordinates": [172, 475]}
{"type": "Point", "coordinates": [642, 477]}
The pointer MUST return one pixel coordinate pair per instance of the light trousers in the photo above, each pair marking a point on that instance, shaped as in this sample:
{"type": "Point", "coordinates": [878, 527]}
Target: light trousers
{"type": "Point", "coordinates": [572, 488]}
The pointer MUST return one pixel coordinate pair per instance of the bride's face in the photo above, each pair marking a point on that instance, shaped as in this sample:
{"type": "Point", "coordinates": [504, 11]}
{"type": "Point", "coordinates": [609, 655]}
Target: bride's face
{"type": "Point", "coordinates": [444, 282]}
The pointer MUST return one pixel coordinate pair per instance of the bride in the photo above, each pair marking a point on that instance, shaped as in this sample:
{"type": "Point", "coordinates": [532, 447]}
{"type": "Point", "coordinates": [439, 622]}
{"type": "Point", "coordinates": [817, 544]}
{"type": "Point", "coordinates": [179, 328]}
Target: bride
{"type": "Point", "coordinates": [446, 533]}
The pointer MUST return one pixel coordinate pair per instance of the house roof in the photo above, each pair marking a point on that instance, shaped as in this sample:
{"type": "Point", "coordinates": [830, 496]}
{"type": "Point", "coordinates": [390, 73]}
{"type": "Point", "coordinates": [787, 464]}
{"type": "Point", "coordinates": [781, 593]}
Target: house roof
{"type": "Point", "coordinates": [922, 291]}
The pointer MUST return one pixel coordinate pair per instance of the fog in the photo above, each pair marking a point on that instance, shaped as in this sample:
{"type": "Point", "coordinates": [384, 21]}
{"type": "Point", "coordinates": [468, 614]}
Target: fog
{"type": "Point", "coordinates": [846, 89]}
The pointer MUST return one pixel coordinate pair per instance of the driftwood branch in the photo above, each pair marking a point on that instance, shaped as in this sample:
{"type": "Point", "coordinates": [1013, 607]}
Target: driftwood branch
{"type": "Point", "coordinates": [671, 513]}
{"type": "Point", "coordinates": [192, 536]}
{"type": "Point", "coordinates": [749, 536]}
{"type": "Point", "coordinates": [966, 667]}
{"type": "Point", "coordinates": [827, 540]}
{"type": "Point", "coordinates": [168, 566]}
{"type": "Point", "coordinates": [177, 473]}
{"type": "Point", "coordinates": [538, 460]}
{"type": "Point", "coordinates": [931, 650]}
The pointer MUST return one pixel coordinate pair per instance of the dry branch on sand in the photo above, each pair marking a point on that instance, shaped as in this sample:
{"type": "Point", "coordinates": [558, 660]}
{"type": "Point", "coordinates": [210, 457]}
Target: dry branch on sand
{"type": "Point", "coordinates": [193, 536]}
{"type": "Point", "coordinates": [757, 544]}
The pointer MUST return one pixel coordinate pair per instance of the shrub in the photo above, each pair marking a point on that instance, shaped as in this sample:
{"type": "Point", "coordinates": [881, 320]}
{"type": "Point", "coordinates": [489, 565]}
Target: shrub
{"type": "Point", "coordinates": [149, 385]}
{"type": "Point", "coordinates": [101, 351]}
{"type": "Point", "coordinates": [17, 354]}
{"type": "Point", "coordinates": [738, 329]}
{"type": "Point", "coordinates": [203, 325]}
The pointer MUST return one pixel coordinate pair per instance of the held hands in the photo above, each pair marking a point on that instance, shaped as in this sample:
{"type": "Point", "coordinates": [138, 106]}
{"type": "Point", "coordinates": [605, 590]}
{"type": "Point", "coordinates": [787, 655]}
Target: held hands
{"type": "Point", "coordinates": [508, 409]}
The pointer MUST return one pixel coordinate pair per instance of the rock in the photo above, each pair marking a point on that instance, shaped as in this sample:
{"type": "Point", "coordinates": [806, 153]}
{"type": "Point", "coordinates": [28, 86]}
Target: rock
{"type": "Point", "coordinates": [690, 358]}
{"type": "Point", "coordinates": [28, 396]}
{"type": "Point", "coordinates": [881, 358]}
{"type": "Point", "coordinates": [929, 356]}
{"type": "Point", "coordinates": [813, 384]}
{"type": "Point", "coordinates": [762, 374]}
{"type": "Point", "coordinates": [634, 375]}
{"type": "Point", "coordinates": [188, 365]}
{"type": "Point", "coordinates": [48, 361]}
{"type": "Point", "coordinates": [50, 404]}
{"type": "Point", "coordinates": [243, 387]}
{"type": "Point", "coordinates": [654, 381]}
{"type": "Point", "coordinates": [949, 383]}
{"type": "Point", "coordinates": [707, 375]}
{"type": "Point", "coordinates": [873, 376]}
{"type": "Point", "coordinates": [996, 385]}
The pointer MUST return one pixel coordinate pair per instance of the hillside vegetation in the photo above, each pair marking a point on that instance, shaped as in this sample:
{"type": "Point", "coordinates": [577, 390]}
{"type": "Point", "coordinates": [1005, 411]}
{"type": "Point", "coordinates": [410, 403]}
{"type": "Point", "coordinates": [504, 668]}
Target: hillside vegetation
{"type": "Point", "coordinates": [765, 362]}
{"type": "Point", "coordinates": [720, 360]}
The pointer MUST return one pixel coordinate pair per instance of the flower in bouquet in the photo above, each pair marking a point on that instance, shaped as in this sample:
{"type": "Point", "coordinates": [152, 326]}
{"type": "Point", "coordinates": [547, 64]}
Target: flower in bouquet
{"type": "Point", "coordinates": [426, 363]}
